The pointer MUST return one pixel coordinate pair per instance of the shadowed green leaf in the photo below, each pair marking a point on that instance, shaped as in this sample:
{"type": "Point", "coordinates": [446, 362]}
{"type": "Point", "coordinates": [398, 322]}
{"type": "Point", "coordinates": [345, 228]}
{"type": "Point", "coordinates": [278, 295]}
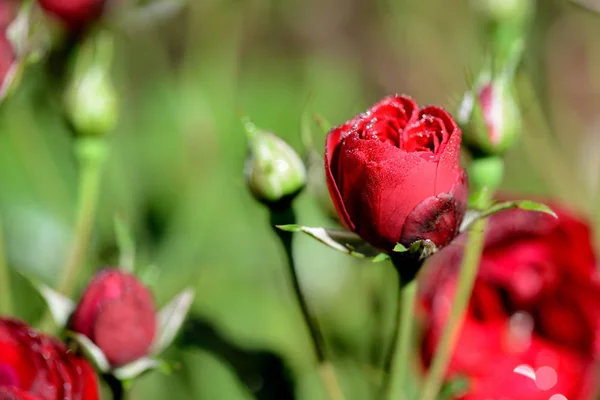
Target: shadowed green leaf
{"type": "Point", "coordinates": [343, 241]}
{"type": "Point", "coordinates": [528, 205]}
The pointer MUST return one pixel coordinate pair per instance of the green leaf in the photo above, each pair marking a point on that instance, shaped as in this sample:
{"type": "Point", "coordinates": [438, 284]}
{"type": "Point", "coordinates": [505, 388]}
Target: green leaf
{"type": "Point", "coordinates": [170, 319]}
{"type": "Point", "coordinates": [126, 245]}
{"type": "Point", "coordinates": [454, 388]}
{"type": "Point", "coordinates": [400, 248]}
{"type": "Point", "coordinates": [135, 368]}
{"type": "Point", "coordinates": [380, 257]}
{"type": "Point", "coordinates": [323, 124]}
{"type": "Point", "coordinates": [92, 352]}
{"type": "Point", "coordinates": [528, 205]}
{"type": "Point", "coordinates": [533, 206]}
{"type": "Point", "coordinates": [60, 307]}
{"type": "Point", "coordinates": [305, 129]}
{"type": "Point", "coordinates": [343, 241]}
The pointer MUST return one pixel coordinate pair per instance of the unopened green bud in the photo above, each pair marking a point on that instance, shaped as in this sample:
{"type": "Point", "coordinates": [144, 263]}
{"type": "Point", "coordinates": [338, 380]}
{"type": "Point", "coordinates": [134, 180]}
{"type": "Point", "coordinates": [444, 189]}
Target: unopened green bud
{"type": "Point", "coordinates": [504, 10]}
{"type": "Point", "coordinates": [486, 172]}
{"type": "Point", "coordinates": [274, 172]}
{"type": "Point", "coordinates": [91, 100]}
{"type": "Point", "coordinates": [490, 118]}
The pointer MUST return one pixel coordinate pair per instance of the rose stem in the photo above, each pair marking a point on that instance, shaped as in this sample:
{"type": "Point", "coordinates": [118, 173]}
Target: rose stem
{"type": "Point", "coordinates": [287, 216]}
{"type": "Point", "coordinates": [116, 387]}
{"type": "Point", "coordinates": [400, 354]}
{"type": "Point", "coordinates": [91, 153]}
{"type": "Point", "coordinates": [468, 271]}
{"type": "Point", "coordinates": [5, 292]}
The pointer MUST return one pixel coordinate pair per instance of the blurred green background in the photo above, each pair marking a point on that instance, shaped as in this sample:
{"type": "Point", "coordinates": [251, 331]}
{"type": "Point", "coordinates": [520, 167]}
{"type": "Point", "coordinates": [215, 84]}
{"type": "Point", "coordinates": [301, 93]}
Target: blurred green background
{"type": "Point", "coordinates": [177, 156]}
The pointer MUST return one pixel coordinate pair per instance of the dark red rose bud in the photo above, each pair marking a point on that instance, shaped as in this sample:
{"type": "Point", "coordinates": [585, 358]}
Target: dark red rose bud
{"type": "Point", "coordinates": [532, 327]}
{"type": "Point", "coordinates": [393, 173]}
{"type": "Point", "coordinates": [35, 366]}
{"type": "Point", "coordinates": [74, 13]}
{"type": "Point", "coordinates": [117, 313]}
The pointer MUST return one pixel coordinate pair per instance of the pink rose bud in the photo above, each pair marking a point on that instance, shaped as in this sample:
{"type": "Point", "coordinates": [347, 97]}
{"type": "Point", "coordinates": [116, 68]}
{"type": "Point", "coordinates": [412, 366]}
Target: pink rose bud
{"type": "Point", "coordinates": [394, 176]}
{"type": "Point", "coordinates": [491, 120]}
{"type": "Point", "coordinates": [117, 313]}
{"type": "Point", "coordinates": [76, 14]}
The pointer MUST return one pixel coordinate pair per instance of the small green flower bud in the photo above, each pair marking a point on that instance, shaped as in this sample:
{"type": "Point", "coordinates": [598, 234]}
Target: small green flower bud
{"type": "Point", "coordinates": [274, 172]}
{"type": "Point", "coordinates": [504, 10]}
{"type": "Point", "coordinates": [486, 172]}
{"type": "Point", "coordinates": [490, 118]}
{"type": "Point", "coordinates": [91, 100]}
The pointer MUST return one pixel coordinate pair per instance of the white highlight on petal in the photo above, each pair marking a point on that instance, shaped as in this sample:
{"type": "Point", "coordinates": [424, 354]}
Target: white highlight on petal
{"type": "Point", "coordinates": [526, 371]}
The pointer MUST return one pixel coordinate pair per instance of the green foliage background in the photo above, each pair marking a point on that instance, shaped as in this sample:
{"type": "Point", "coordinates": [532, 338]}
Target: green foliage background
{"type": "Point", "coordinates": [176, 161]}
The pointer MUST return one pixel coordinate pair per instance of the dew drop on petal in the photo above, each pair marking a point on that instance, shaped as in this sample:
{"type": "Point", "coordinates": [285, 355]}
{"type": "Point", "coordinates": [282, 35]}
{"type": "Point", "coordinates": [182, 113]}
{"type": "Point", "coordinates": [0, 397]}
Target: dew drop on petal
{"type": "Point", "coordinates": [546, 378]}
{"type": "Point", "coordinates": [526, 371]}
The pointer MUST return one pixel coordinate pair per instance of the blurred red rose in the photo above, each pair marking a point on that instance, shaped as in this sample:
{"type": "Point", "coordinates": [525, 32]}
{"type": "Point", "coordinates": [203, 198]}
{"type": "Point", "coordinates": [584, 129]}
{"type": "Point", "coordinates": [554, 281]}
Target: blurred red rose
{"type": "Point", "coordinates": [533, 322]}
{"type": "Point", "coordinates": [8, 12]}
{"type": "Point", "coordinates": [394, 176]}
{"type": "Point", "coordinates": [41, 366]}
{"type": "Point", "coordinates": [117, 313]}
{"type": "Point", "coordinates": [12, 393]}
{"type": "Point", "coordinates": [75, 14]}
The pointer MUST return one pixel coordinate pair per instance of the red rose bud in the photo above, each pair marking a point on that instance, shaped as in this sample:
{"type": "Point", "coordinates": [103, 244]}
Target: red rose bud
{"type": "Point", "coordinates": [532, 327]}
{"type": "Point", "coordinates": [491, 121]}
{"type": "Point", "coordinates": [274, 172]}
{"type": "Point", "coordinates": [75, 14]}
{"type": "Point", "coordinates": [394, 176]}
{"type": "Point", "coordinates": [117, 313]}
{"type": "Point", "coordinates": [39, 367]}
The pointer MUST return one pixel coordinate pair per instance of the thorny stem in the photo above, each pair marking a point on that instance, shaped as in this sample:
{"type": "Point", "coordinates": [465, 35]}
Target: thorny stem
{"type": "Point", "coordinates": [330, 382]}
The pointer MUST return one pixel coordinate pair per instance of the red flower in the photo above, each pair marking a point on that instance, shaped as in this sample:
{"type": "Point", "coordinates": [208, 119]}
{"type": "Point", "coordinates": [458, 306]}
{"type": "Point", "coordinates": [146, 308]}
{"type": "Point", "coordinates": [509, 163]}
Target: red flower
{"type": "Point", "coordinates": [8, 11]}
{"type": "Point", "coordinates": [12, 393]}
{"type": "Point", "coordinates": [74, 13]}
{"type": "Point", "coordinates": [117, 313]}
{"type": "Point", "coordinates": [532, 327]}
{"type": "Point", "coordinates": [41, 366]}
{"type": "Point", "coordinates": [393, 173]}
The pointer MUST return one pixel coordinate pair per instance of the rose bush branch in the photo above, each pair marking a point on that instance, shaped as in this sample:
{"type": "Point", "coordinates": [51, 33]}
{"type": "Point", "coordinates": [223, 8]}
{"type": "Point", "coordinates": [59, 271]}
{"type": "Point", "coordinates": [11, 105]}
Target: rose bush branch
{"type": "Point", "coordinates": [287, 216]}
{"type": "Point", "coordinates": [275, 175]}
